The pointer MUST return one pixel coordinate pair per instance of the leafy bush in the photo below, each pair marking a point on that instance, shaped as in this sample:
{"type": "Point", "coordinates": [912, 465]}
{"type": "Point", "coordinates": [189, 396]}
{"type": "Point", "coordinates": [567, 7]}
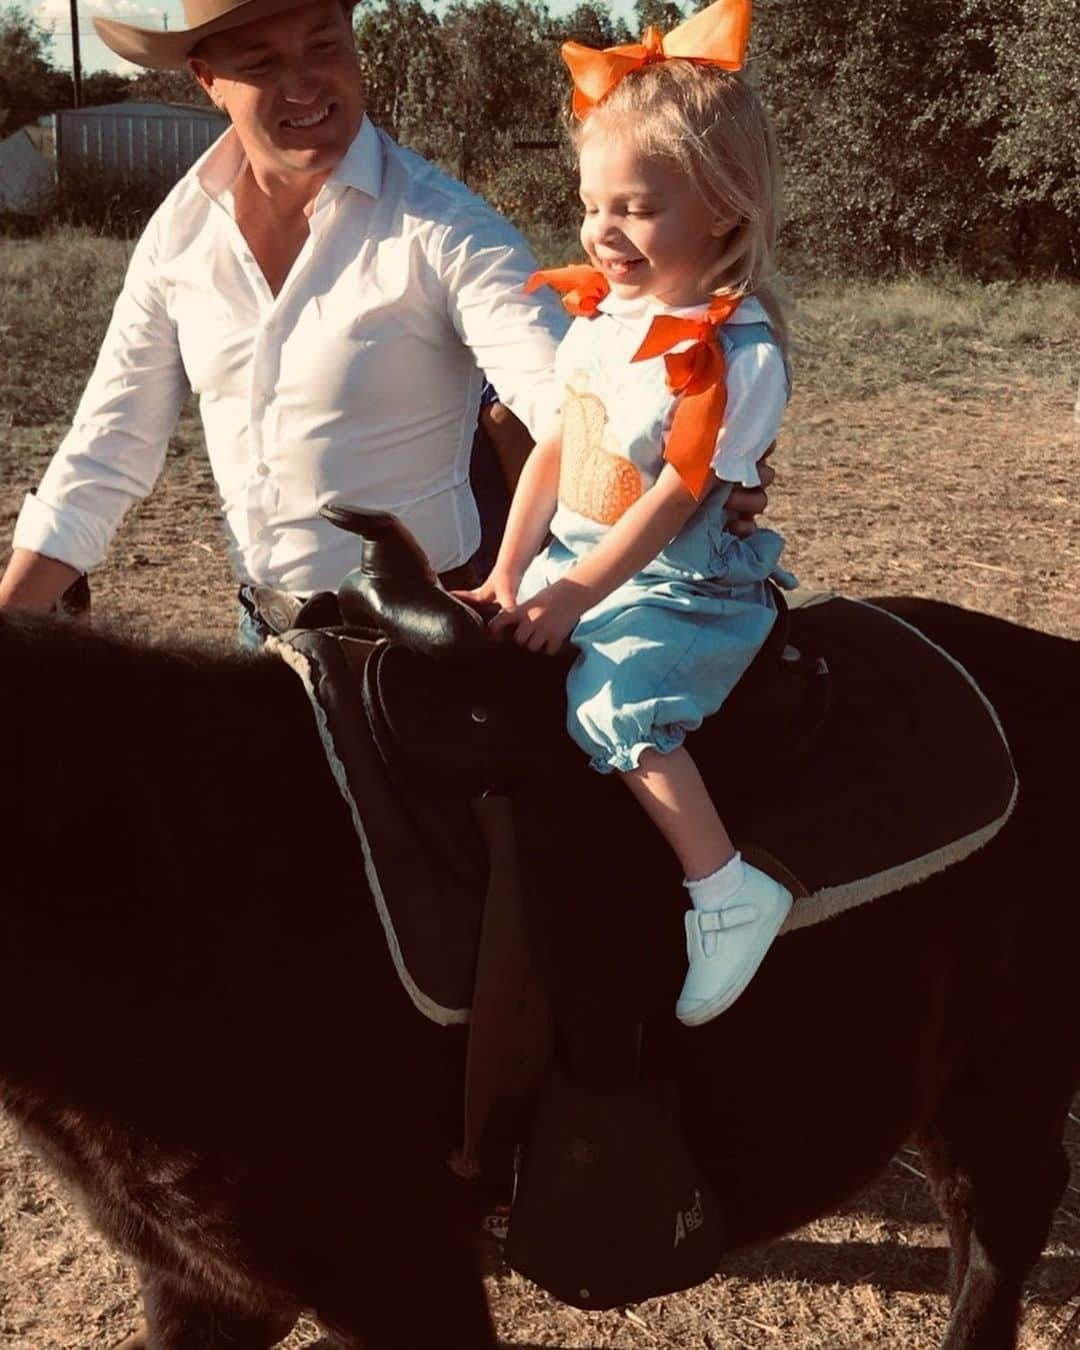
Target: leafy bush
{"type": "Point", "coordinates": [1036, 86]}
{"type": "Point", "coordinates": [537, 187]}
{"type": "Point", "coordinates": [925, 131]}
{"type": "Point", "coordinates": [105, 203]}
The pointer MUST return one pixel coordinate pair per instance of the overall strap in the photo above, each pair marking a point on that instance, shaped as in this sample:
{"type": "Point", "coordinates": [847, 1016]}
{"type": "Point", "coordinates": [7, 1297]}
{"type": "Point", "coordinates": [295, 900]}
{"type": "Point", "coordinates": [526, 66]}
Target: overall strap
{"type": "Point", "coordinates": [737, 335]}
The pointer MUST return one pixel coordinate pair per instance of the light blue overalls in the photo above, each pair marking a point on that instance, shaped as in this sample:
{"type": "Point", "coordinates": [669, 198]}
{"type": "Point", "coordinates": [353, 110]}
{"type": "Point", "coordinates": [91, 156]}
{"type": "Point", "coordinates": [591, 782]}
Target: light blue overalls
{"type": "Point", "coordinates": [663, 651]}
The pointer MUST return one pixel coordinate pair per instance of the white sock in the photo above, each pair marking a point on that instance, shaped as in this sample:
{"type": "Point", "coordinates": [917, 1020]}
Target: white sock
{"type": "Point", "coordinates": [715, 890]}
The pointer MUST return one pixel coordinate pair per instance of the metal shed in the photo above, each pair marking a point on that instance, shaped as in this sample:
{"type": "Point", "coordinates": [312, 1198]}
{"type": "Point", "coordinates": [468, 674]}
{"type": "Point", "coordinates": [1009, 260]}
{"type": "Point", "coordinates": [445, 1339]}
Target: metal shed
{"type": "Point", "coordinates": [158, 141]}
{"type": "Point", "coordinates": [27, 180]}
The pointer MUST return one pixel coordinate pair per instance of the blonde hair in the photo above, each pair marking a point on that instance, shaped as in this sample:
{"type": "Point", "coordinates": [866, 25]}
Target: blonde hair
{"type": "Point", "coordinates": [711, 124]}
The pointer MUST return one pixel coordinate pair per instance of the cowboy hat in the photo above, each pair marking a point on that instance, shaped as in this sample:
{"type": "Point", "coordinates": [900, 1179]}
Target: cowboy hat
{"type": "Point", "coordinates": [162, 49]}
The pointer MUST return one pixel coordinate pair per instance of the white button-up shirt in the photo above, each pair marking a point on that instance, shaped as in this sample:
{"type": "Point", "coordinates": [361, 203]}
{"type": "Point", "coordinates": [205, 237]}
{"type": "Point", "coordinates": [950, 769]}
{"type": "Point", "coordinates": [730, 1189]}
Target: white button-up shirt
{"type": "Point", "coordinates": [357, 383]}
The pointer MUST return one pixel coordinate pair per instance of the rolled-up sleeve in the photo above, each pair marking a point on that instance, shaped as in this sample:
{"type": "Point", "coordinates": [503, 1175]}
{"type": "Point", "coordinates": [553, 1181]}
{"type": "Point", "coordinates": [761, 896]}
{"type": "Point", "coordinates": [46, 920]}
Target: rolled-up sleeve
{"type": "Point", "coordinates": [485, 264]}
{"type": "Point", "coordinates": [114, 451]}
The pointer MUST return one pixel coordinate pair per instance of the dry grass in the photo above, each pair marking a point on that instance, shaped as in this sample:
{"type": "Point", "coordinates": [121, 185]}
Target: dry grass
{"type": "Point", "coordinates": [930, 448]}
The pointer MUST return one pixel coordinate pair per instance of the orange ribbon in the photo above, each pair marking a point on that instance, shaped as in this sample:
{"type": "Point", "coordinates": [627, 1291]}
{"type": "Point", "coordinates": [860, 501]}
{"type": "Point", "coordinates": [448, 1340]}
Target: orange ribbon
{"type": "Point", "coordinates": [582, 287]}
{"type": "Point", "coordinates": [699, 376]}
{"type": "Point", "coordinates": [716, 36]}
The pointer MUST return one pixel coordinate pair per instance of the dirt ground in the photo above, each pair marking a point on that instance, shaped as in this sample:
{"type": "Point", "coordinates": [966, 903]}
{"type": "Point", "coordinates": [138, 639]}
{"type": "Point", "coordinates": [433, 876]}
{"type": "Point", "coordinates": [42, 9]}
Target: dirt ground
{"type": "Point", "coordinates": [944, 465]}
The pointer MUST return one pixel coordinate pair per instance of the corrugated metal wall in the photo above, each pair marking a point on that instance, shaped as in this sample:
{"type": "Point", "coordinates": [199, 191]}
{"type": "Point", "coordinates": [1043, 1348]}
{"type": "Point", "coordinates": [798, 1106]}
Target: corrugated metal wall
{"type": "Point", "coordinates": [139, 140]}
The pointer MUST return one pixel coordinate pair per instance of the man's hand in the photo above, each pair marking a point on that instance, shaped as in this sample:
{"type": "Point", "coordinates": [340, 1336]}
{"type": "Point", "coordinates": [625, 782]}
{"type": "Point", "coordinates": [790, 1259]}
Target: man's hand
{"type": "Point", "coordinates": [34, 582]}
{"type": "Point", "coordinates": [511, 440]}
{"type": "Point", "coordinates": [543, 623]}
{"type": "Point", "coordinates": [746, 503]}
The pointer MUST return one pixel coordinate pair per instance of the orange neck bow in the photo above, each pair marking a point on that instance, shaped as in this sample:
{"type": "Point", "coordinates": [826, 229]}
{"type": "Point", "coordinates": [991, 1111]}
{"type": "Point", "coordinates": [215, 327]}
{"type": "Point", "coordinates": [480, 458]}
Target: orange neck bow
{"type": "Point", "coordinates": [582, 287]}
{"type": "Point", "coordinates": [716, 36]}
{"type": "Point", "coordinates": [699, 376]}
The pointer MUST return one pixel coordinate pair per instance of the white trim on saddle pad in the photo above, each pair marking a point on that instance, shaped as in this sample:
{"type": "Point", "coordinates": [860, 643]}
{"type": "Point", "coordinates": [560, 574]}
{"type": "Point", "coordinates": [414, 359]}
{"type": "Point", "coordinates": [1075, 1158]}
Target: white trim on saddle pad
{"type": "Point", "coordinates": [301, 666]}
{"type": "Point", "coordinates": [833, 900]}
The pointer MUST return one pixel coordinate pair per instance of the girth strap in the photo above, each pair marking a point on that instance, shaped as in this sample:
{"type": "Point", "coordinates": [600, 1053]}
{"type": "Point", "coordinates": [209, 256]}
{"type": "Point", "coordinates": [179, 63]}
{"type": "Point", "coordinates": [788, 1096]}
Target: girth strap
{"type": "Point", "coordinates": [510, 1037]}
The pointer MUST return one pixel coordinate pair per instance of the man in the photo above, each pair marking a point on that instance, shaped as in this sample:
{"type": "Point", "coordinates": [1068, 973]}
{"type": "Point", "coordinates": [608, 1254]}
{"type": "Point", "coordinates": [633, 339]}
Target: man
{"type": "Point", "coordinates": [331, 298]}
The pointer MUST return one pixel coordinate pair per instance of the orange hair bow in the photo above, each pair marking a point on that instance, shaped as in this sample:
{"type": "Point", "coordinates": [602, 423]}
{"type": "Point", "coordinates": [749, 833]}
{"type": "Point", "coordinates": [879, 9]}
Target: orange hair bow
{"type": "Point", "coordinates": [716, 36]}
{"type": "Point", "coordinates": [699, 376]}
{"type": "Point", "coordinates": [581, 287]}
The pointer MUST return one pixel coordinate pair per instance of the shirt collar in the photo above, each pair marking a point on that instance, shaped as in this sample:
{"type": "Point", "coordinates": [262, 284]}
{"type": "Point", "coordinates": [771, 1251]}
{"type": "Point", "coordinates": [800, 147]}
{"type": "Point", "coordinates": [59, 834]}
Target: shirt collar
{"type": "Point", "coordinates": [750, 311]}
{"type": "Point", "coordinates": [361, 166]}
{"type": "Point", "coordinates": [221, 166]}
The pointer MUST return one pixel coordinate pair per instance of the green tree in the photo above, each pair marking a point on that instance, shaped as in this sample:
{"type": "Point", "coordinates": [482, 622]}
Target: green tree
{"type": "Point", "coordinates": [882, 140]}
{"type": "Point", "coordinates": [1032, 99]}
{"type": "Point", "coordinates": [662, 14]}
{"type": "Point", "coordinates": [105, 86]}
{"type": "Point", "coordinates": [29, 82]}
{"type": "Point", "coordinates": [592, 24]}
{"type": "Point", "coordinates": [503, 69]}
{"type": "Point", "coordinates": [402, 58]}
{"type": "Point", "coordinates": [167, 86]}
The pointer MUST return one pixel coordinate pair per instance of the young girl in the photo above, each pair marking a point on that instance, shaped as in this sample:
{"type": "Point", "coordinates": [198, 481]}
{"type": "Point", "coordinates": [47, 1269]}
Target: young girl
{"type": "Point", "coordinates": [675, 382]}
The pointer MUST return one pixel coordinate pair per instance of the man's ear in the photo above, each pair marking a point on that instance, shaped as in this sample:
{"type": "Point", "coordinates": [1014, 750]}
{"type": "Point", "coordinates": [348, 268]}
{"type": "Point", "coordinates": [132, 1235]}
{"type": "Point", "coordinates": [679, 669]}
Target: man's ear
{"type": "Point", "coordinates": [205, 77]}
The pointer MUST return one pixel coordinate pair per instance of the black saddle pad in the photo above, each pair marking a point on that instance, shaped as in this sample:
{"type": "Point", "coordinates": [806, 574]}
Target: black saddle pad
{"type": "Point", "coordinates": [421, 851]}
{"type": "Point", "coordinates": [905, 771]}
{"type": "Point", "coordinates": [865, 765]}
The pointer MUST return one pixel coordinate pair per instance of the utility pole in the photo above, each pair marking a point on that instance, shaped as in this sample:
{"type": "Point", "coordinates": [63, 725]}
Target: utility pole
{"type": "Point", "coordinates": [463, 143]}
{"type": "Point", "coordinates": [76, 62]}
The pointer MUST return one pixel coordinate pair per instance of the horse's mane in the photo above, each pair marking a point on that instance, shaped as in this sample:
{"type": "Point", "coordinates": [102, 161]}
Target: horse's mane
{"type": "Point", "coordinates": [45, 662]}
{"type": "Point", "coordinates": [46, 642]}
{"type": "Point", "coordinates": [175, 851]}
{"type": "Point", "coordinates": [161, 759]}
{"type": "Point", "coordinates": [81, 697]}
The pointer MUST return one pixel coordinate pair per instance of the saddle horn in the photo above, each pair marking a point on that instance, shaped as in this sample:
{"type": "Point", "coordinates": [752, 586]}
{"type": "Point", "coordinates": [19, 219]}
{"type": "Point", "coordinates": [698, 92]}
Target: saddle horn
{"type": "Point", "coordinates": [395, 590]}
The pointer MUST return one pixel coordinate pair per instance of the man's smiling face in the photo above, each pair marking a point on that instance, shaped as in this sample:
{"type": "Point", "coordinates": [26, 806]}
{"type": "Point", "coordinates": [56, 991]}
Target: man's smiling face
{"type": "Point", "coordinates": [291, 85]}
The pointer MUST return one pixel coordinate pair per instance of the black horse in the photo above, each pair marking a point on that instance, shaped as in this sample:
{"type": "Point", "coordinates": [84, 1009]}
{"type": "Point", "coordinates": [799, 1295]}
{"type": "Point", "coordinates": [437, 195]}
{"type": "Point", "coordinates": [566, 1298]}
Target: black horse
{"type": "Point", "coordinates": [200, 1027]}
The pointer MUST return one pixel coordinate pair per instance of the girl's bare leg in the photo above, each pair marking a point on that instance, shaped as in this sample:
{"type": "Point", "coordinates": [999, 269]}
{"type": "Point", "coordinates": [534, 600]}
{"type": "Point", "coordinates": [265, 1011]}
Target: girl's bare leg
{"type": "Point", "coordinates": [737, 910]}
{"type": "Point", "coordinates": [677, 801]}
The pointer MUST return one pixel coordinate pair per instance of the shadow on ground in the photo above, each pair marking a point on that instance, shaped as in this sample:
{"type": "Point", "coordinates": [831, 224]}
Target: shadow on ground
{"type": "Point", "coordinates": [891, 1267]}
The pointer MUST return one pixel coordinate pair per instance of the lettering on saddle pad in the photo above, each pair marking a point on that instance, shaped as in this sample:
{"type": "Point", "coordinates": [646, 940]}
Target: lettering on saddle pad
{"type": "Point", "coordinates": [689, 1220]}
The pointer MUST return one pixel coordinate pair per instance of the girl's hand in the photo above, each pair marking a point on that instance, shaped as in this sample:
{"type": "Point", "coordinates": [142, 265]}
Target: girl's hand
{"type": "Point", "coordinates": [543, 623]}
{"type": "Point", "coordinates": [500, 588]}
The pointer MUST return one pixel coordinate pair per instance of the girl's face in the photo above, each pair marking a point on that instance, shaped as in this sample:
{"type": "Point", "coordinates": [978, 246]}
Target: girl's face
{"type": "Point", "coordinates": [645, 228]}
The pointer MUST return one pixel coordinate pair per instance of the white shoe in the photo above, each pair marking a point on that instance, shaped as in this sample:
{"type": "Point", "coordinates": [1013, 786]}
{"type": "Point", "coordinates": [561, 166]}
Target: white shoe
{"type": "Point", "coordinates": [725, 946]}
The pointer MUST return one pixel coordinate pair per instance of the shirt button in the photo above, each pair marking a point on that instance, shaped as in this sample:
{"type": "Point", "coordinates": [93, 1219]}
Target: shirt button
{"type": "Point", "coordinates": [263, 470]}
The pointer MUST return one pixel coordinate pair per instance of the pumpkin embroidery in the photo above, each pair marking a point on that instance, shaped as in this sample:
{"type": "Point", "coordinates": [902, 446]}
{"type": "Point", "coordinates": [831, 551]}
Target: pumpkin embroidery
{"type": "Point", "coordinates": [595, 482]}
